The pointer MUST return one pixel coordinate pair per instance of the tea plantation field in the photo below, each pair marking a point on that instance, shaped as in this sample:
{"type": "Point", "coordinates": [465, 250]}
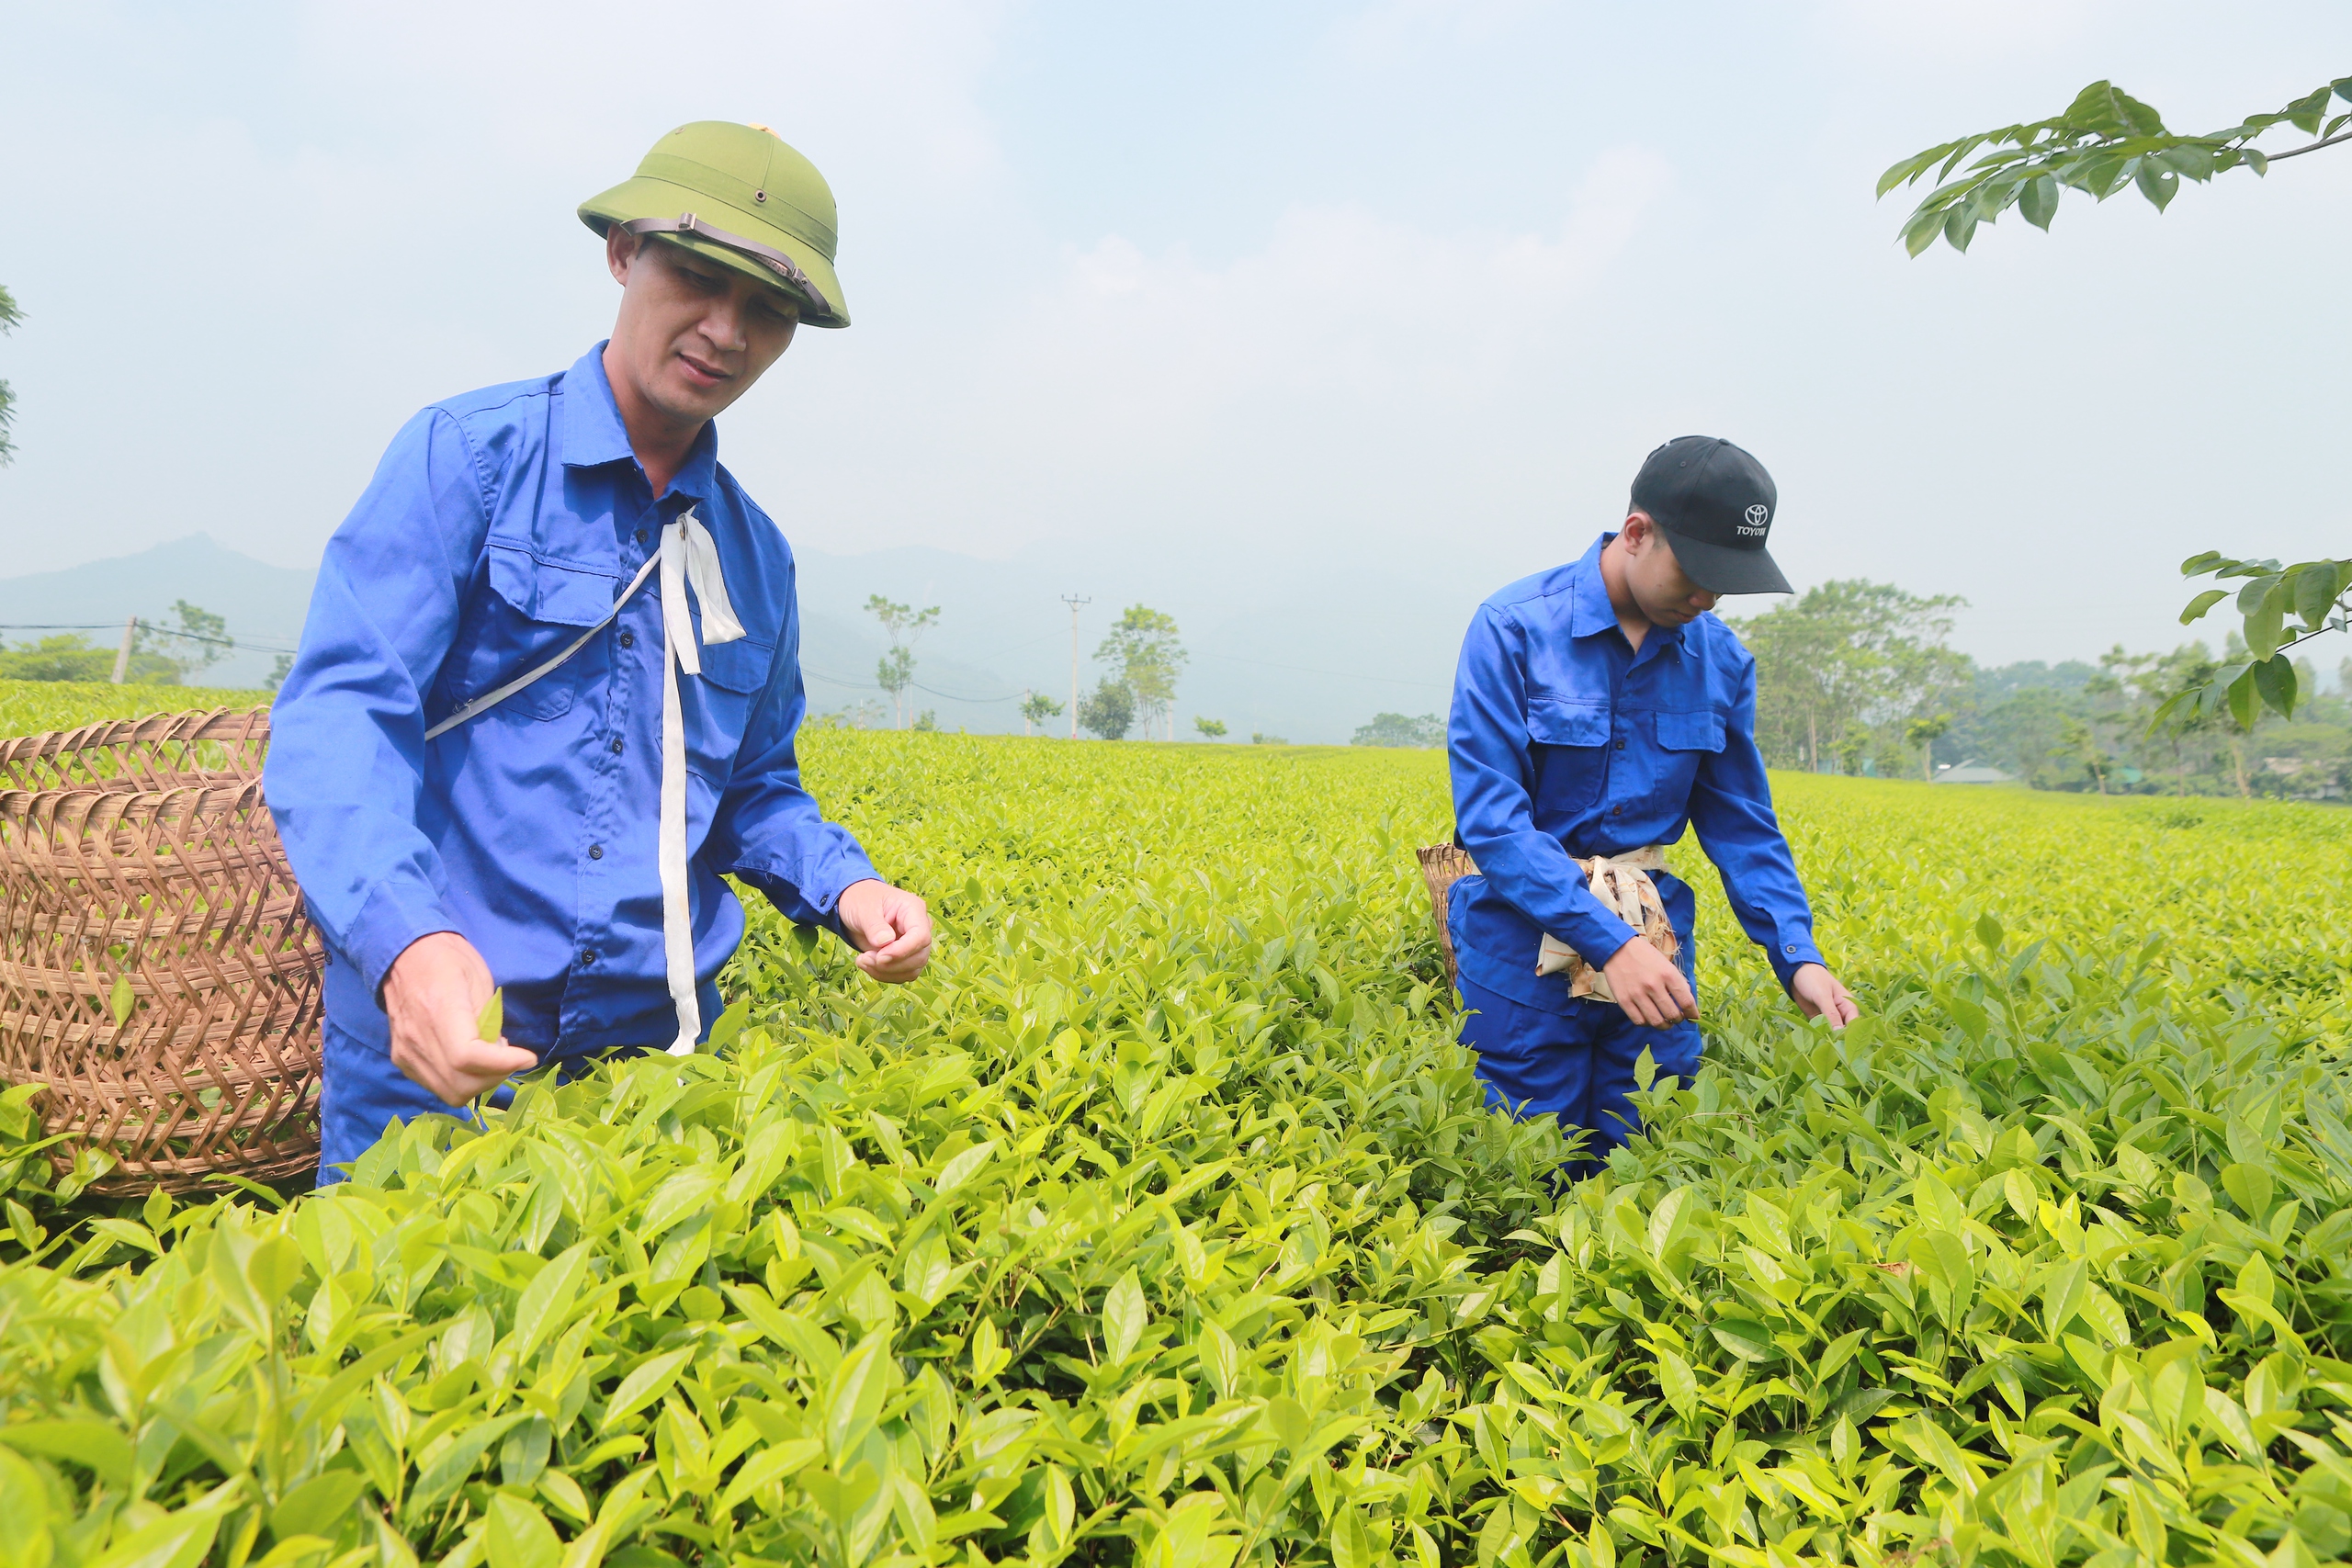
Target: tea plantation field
{"type": "Point", "coordinates": [1161, 1224]}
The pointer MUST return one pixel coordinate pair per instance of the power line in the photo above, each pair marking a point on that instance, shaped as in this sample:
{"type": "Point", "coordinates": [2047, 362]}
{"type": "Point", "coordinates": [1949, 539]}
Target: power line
{"type": "Point", "coordinates": [871, 686]}
{"type": "Point", "coordinates": [159, 631]}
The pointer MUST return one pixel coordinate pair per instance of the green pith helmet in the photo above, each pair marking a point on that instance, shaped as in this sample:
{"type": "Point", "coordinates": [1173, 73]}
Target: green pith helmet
{"type": "Point", "coordinates": [739, 196]}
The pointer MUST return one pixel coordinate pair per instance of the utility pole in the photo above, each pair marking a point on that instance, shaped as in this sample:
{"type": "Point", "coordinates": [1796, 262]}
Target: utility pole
{"type": "Point", "coordinates": [1074, 601]}
{"type": "Point", "coordinates": [122, 654]}
{"type": "Point", "coordinates": [1027, 727]}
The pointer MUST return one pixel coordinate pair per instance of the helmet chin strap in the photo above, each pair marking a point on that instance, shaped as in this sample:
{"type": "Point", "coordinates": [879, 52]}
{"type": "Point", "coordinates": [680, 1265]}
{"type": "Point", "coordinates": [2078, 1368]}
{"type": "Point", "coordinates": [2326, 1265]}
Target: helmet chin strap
{"type": "Point", "coordinates": [776, 261]}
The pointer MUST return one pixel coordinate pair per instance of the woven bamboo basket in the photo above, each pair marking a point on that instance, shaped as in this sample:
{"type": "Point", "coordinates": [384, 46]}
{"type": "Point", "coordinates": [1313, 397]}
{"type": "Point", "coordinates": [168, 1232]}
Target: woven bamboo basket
{"type": "Point", "coordinates": [158, 978]}
{"type": "Point", "coordinates": [1441, 866]}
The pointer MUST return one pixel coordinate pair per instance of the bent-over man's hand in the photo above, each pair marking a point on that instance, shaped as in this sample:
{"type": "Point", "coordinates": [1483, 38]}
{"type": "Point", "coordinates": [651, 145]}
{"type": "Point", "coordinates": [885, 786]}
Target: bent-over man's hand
{"type": "Point", "coordinates": [892, 928]}
{"type": "Point", "coordinates": [1818, 991]}
{"type": "Point", "coordinates": [434, 994]}
{"type": "Point", "coordinates": [1648, 987]}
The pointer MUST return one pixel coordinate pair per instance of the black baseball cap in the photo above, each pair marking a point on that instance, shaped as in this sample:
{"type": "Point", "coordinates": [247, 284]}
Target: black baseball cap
{"type": "Point", "coordinates": [1715, 502]}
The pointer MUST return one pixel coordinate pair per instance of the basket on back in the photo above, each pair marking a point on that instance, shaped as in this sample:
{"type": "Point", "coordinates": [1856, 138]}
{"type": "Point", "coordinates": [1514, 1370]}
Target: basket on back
{"type": "Point", "coordinates": [157, 975]}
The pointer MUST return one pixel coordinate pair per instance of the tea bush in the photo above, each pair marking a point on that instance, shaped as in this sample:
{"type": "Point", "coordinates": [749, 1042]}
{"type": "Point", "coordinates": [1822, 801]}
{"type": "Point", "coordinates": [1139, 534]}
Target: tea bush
{"type": "Point", "coordinates": [1162, 1223]}
{"type": "Point", "coordinates": [29, 707]}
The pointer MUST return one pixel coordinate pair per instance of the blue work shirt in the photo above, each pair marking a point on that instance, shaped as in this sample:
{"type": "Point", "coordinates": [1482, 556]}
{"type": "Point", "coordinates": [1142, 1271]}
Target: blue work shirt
{"type": "Point", "coordinates": [1567, 742]}
{"type": "Point", "coordinates": [500, 526]}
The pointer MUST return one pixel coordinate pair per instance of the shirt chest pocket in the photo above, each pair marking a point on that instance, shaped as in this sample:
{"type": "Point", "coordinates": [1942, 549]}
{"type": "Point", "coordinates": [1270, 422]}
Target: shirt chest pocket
{"type": "Point", "coordinates": [530, 612]}
{"type": "Point", "coordinates": [1690, 732]}
{"type": "Point", "coordinates": [1684, 740]}
{"type": "Point", "coordinates": [1570, 750]}
{"type": "Point", "coordinates": [718, 708]}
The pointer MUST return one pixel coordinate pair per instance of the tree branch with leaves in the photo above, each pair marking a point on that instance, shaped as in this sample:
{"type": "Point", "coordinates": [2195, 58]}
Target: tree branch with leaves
{"type": "Point", "coordinates": [10, 315]}
{"type": "Point", "coordinates": [2282, 607]}
{"type": "Point", "coordinates": [2105, 140]}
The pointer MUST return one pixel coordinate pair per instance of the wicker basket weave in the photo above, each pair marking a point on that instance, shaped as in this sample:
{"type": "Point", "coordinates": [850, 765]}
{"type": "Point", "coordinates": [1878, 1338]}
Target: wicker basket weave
{"type": "Point", "coordinates": [1441, 866]}
{"type": "Point", "coordinates": [157, 974]}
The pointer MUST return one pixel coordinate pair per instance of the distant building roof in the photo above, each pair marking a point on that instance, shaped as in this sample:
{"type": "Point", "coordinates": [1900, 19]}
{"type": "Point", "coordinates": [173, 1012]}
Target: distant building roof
{"type": "Point", "coordinates": [1970, 772]}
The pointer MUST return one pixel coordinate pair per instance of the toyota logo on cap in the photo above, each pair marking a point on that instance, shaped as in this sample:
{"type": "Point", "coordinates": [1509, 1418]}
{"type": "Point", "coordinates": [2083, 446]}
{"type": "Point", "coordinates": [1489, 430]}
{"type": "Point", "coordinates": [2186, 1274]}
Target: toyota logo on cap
{"type": "Point", "coordinates": [1757, 513]}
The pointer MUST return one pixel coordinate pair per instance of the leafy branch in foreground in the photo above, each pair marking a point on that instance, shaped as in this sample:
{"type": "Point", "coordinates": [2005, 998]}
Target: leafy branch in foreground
{"type": "Point", "coordinates": [2105, 139]}
{"type": "Point", "coordinates": [9, 316]}
{"type": "Point", "coordinates": [2314, 591]}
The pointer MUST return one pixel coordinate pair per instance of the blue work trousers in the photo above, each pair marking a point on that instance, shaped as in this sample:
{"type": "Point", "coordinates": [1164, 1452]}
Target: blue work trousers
{"type": "Point", "coordinates": [1577, 1066]}
{"type": "Point", "coordinates": [361, 1093]}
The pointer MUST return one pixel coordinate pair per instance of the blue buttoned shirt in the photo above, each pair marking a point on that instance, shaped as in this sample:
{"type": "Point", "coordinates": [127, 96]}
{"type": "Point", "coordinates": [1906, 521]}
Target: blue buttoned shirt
{"type": "Point", "coordinates": [500, 526]}
{"type": "Point", "coordinates": [1567, 742]}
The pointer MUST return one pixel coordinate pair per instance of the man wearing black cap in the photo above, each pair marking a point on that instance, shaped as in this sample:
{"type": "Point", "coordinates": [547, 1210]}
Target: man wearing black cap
{"type": "Point", "coordinates": [1598, 709]}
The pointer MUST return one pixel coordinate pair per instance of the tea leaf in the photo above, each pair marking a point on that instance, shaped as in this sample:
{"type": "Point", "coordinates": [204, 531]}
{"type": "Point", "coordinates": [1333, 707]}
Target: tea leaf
{"type": "Point", "coordinates": [518, 1535]}
{"type": "Point", "coordinates": [1123, 1317]}
{"type": "Point", "coordinates": [648, 1382]}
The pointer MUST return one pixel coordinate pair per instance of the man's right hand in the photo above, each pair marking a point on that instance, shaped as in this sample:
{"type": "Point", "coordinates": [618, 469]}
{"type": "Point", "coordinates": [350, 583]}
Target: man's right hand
{"type": "Point", "coordinates": [434, 994]}
{"type": "Point", "coordinates": [1648, 987]}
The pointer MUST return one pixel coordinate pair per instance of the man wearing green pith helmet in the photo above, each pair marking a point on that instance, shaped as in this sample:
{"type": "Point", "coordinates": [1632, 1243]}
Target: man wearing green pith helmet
{"type": "Point", "coordinates": [550, 685]}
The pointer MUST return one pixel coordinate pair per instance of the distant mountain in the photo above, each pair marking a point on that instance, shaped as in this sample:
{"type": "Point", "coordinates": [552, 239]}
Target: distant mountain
{"type": "Point", "coordinates": [1309, 651]}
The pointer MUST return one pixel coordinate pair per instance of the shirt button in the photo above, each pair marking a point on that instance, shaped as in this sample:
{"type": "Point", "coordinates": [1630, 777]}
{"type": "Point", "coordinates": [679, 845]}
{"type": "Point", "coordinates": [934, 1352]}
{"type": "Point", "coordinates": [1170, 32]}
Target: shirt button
{"type": "Point", "coordinates": [595, 851]}
{"type": "Point", "coordinates": [1789, 947]}
{"type": "Point", "coordinates": [588, 957]}
{"type": "Point", "coordinates": [1620, 745]}
{"type": "Point", "coordinates": [629, 639]}
{"type": "Point", "coordinates": [640, 536]}
{"type": "Point", "coordinates": [616, 745]}
{"type": "Point", "coordinates": [1615, 810]}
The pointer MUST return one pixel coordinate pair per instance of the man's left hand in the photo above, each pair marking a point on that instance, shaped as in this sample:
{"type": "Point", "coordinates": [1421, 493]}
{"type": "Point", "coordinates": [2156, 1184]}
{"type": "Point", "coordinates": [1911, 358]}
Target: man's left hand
{"type": "Point", "coordinates": [1817, 990]}
{"type": "Point", "coordinates": [890, 926]}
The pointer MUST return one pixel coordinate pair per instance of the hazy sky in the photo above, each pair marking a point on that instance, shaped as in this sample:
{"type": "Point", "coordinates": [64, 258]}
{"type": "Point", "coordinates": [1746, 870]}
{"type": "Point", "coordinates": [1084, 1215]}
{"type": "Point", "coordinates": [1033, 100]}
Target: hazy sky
{"type": "Point", "coordinates": [1260, 285]}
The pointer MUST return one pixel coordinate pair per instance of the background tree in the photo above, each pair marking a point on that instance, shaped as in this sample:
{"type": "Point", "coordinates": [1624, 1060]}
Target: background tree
{"type": "Point", "coordinates": [1853, 748]}
{"type": "Point", "coordinates": [1142, 646]}
{"type": "Point", "coordinates": [1109, 710]}
{"type": "Point", "coordinates": [904, 625]}
{"type": "Point", "coordinates": [9, 316]}
{"type": "Point", "coordinates": [1035, 709]}
{"type": "Point", "coordinates": [1845, 654]}
{"type": "Point", "coordinates": [1258, 738]}
{"type": "Point", "coordinates": [2078, 743]}
{"type": "Point", "coordinates": [70, 656]}
{"type": "Point", "coordinates": [2105, 139]}
{"type": "Point", "coordinates": [864, 714]}
{"type": "Point", "coordinates": [199, 641]}
{"type": "Point", "coordinates": [1396, 729]}
{"type": "Point", "coordinates": [1924, 733]}
{"type": "Point", "coordinates": [2047, 734]}
{"type": "Point", "coordinates": [1210, 728]}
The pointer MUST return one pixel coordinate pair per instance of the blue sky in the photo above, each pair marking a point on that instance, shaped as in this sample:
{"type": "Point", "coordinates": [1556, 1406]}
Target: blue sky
{"type": "Point", "coordinates": [1240, 291]}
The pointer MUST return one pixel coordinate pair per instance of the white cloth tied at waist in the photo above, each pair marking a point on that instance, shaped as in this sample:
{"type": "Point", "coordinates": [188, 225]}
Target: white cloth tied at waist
{"type": "Point", "coordinates": [688, 556]}
{"type": "Point", "coordinates": [1621, 883]}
